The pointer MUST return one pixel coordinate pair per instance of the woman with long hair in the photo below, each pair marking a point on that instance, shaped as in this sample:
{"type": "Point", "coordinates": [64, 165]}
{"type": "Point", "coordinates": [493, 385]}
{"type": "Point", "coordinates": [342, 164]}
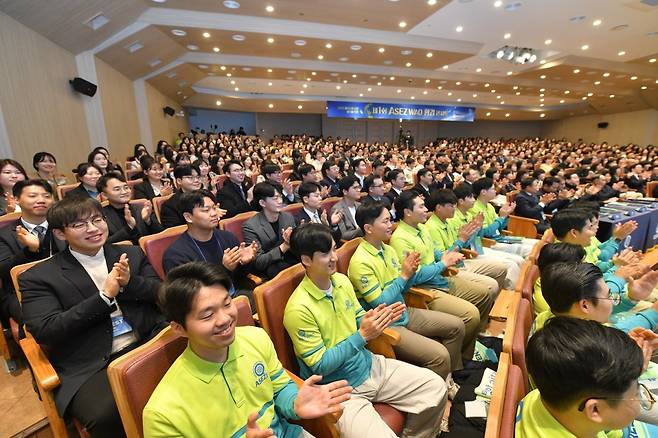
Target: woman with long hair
{"type": "Point", "coordinates": [46, 166]}
{"type": "Point", "coordinates": [11, 172]}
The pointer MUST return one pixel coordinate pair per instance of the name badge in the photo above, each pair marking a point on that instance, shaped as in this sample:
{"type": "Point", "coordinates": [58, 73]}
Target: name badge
{"type": "Point", "coordinates": [120, 326]}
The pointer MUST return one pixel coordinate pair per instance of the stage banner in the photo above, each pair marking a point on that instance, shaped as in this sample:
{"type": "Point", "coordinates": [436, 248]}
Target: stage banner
{"type": "Point", "coordinates": [372, 110]}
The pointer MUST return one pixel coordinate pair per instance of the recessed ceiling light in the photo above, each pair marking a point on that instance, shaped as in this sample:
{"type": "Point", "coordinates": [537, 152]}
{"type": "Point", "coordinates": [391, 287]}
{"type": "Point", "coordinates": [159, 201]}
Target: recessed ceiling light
{"type": "Point", "coordinates": [542, 61]}
{"type": "Point", "coordinates": [502, 102]}
{"type": "Point", "coordinates": [644, 87]}
{"type": "Point", "coordinates": [542, 77]}
{"type": "Point", "coordinates": [510, 73]}
{"type": "Point", "coordinates": [337, 87]}
{"type": "Point", "coordinates": [333, 74]}
{"type": "Point", "coordinates": [425, 92]}
{"type": "Point", "coordinates": [379, 84]}
{"type": "Point", "coordinates": [270, 106]}
{"type": "Point", "coordinates": [406, 52]}
{"type": "Point", "coordinates": [369, 89]}
{"type": "Point", "coordinates": [584, 47]}
{"type": "Point", "coordinates": [597, 82]}
{"type": "Point", "coordinates": [542, 99]}
{"type": "Point", "coordinates": [518, 93]}
{"type": "Point", "coordinates": [488, 114]}
{"type": "Point", "coordinates": [507, 36]}
{"type": "Point", "coordinates": [492, 91]}
{"type": "Point", "coordinates": [159, 1]}
{"type": "Point", "coordinates": [478, 70]}
{"type": "Point", "coordinates": [459, 28]}
{"type": "Point", "coordinates": [408, 64]}
{"type": "Point", "coordinates": [192, 47]}
{"type": "Point", "coordinates": [228, 75]}
{"type": "Point", "coordinates": [427, 81]}
{"type": "Point", "coordinates": [576, 71]}
{"type": "Point", "coordinates": [232, 82]}
{"type": "Point", "coordinates": [178, 32]}
{"type": "Point", "coordinates": [440, 87]}
{"type": "Point", "coordinates": [270, 40]}
{"type": "Point", "coordinates": [206, 34]}
{"type": "Point", "coordinates": [238, 37]}
{"type": "Point", "coordinates": [597, 22]}
{"type": "Point", "coordinates": [402, 24]}
{"type": "Point", "coordinates": [328, 45]}
{"type": "Point", "coordinates": [652, 60]}
{"type": "Point", "coordinates": [621, 53]}
{"type": "Point", "coordinates": [355, 47]}
{"type": "Point", "coordinates": [313, 73]}
{"type": "Point", "coordinates": [541, 104]}
{"type": "Point", "coordinates": [497, 4]}
{"type": "Point", "coordinates": [507, 114]}
{"type": "Point", "coordinates": [541, 90]}
{"type": "Point", "coordinates": [308, 79]}
{"type": "Point", "coordinates": [548, 42]}
{"type": "Point", "coordinates": [449, 93]}
{"type": "Point", "coordinates": [344, 59]}
{"type": "Point", "coordinates": [486, 85]}
{"type": "Point", "coordinates": [269, 84]}
{"type": "Point", "coordinates": [360, 94]}
{"type": "Point", "coordinates": [567, 91]}
{"type": "Point", "coordinates": [542, 115]}
{"type": "Point", "coordinates": [132, 48]}
{"type": "Point", "coordinates": [475, 95]}
{"type": "Point", "coordinates": [304, 85]}
{"type": "Point", "coordinates": [606, 74]}
{"type": "Point", "coordinates": [218, 103]}
{"type": "Point", "coordinates": [236, 89]}
{"type": "Point", "coordinates": [445, 67]}
{"type": "Point", "coordinates": [633, 78]}
{"type": "Point", "coordinates": [203, 66]}
{"type": "Point", "coordinates": [269, 8]}
{"type": "Point", "coordinates": [429, 54]}
{"type": "Point", "coordinates": [320, 57]}
{"type": "Point", "coordinates": [344, 81]}
{"type": "Point", "coordinates": [561, 100]}
{"type": "Point", "coordinates": [300, 42]}
{"type": "Point", "coordinates": [612, 96]}
{"type": "Point", "coordinates": [459, 99]}
{"type": "Point", "coordinates": [392, 78]}
{"type": "Point", "coordinates": [413, 97]}
{"type": "Point", "coordinates": [398, 91]}
{"type": "Point", "coordinates": [498, 97]}
{"type": "Point", "coordinates": [223, 67]}
{"type": "Point", "coordinates": [299, 107]}
{"type": "Point", "coordinates": [584, 98]}
{"type": "Point", "coordinates": [301, 91]}
{"type": "Point", "coordinates": [381, 50]}
{"type": "Point", "coordinates": [231, 4]}
{"type": "Point", "coordinates": [215, 49]}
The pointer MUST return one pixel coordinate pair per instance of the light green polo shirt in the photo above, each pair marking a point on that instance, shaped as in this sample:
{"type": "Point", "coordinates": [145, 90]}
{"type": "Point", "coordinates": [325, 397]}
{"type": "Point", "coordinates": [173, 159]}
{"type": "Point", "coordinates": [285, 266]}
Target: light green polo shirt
{"type": "Point", "coordinates": [324, 331]}
{"type": "Point", "coordinates": [375, 275]}
{"type": "Point", "coordinates": [445, 237]}
{"type": "Point", "coordinates": [197, 398]}
{"type": "Point", "coordinates": [406, 239]}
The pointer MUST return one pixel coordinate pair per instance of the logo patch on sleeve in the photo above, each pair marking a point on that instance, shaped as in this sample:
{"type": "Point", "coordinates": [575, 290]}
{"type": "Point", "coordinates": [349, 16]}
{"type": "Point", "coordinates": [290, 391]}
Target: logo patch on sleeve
{"type": "Point", "coordinates": [364, 281]}
{"type": "Point", "coordinates": [260, 373]}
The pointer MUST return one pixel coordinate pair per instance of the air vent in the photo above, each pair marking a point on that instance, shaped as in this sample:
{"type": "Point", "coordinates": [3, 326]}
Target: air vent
{"type": "Point", "coordinates": [97, 21]}
{"type": "Point", "coordinates": [132, 48]}
{"type": "Point", "coordinates": [171, 75]}
{"type": "Point", "coordinates": [155, 62]}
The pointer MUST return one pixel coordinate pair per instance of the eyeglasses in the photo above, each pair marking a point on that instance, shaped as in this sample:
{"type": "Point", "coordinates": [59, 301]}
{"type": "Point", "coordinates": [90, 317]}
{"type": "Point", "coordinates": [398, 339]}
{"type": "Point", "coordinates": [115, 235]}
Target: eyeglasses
{"type": "Point", "coordinates": [192, 178]}
{"type": "Point", "coordinates": [615, 298]}
{"type": "Point", "coordinates": [81, 225]}
{"type": "Point", "coordinates": [644, 396]}
{"type": "Point", "coordinates": [125, 188]}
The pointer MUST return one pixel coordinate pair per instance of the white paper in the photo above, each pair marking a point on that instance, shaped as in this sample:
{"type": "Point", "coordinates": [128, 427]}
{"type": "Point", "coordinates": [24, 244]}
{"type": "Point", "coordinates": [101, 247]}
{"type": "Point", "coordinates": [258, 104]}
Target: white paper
{"type": "Point", "coordinates": [475, 409]}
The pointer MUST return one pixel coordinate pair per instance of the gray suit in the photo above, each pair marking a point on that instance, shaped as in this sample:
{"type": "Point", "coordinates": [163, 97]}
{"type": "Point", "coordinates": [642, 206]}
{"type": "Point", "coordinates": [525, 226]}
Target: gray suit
{"type": "Point", "coordinates": [347, 225]}
{"type": "Point", "coordinates": [269, 258]}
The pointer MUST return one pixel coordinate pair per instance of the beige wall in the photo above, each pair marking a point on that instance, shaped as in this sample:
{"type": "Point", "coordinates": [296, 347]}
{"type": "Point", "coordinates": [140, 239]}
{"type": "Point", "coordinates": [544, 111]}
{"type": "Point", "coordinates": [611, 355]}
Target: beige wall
{"type": "Point", "coordinates": [163, 127]}
{"type": "Point", "coordinates": [639, 127]}
{"type": "Point", "coordinates": [41, 111]}
{"type": "Point", "coordinates": [119, 111]}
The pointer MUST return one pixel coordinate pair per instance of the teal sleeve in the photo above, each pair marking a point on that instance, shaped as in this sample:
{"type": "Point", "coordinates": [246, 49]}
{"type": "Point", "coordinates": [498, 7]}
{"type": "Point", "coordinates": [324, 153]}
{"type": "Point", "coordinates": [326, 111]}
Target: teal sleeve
{"type": "Point", "coordinates": [493, 230]}
{"type": "Point", "coordinates": [647, 319]}
{"type": "Point", "coordinates": [284, 400]}
{"type": "Point", "coordinates": [430, 275]}
{"type": "Point", "coordinates": [608, 249]}
{"type": "Point", "coordinates": [617, 286]}
{"type": "Point", "coordinates": [392, 293]}
{"type": "Point", "coordinates": [605, 266]}
{"type": "Point", "coordinates": [437, 255]}
{"type": "Point", "coordinates": [336, 356]}
{"type": "Point", "coordinates": [625, 305]}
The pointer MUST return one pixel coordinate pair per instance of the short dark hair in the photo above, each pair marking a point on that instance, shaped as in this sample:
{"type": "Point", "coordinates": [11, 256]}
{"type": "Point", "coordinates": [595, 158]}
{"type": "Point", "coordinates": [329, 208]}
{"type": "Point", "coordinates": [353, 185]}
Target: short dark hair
{"type": "Point", "coordinates": [563, 284]}
{"type": "Point", "coordinates": [310, 238]}
{"type": "Point", "coordinates": [571, 359]}
{"type": "Point", "coordinates": [189, 201]}
{"type": "Point", "coordinates": [180, 287]}
{"type": "Point", "coordinates": [20, 185]}
{"type": "Point", "coordinates": [367, 213]}
{"type": "Point", "coordinates": [527, 182]}
{"type": "Point", "coordinates": [307, 188]}
{"type": "Point", "coordinates": [462, 191]}
{"type": "Point", "coordinates": [82, 169]}
{"type": "Point", "coordinates": [104, 179]}
{"type": "Point", "coordinates": [393, 174]}
{"type": "Point", "coordinates": [182, 171]}
{"type": "Point", "coordinates": [505, 172]}
{"type": "Point", "coordinates": [269, 169]}
{"type": "Point", "coordinates": [346, 182]}
{"type": "Point", "coordinates": [490, 172]}
{"type": "Point", "coordinates": [261, 191]}
{"type": "Point", "coordinates": [227, 166]}
{"type": "Point", "coordinates": [356, 162]}
{"type": "Point", "coordinates": [39, 157]}
{"type": "Point", "coordinates": [440, 197]}
{"type": "Point", "coordinates": [422, 172]}
{"type": "Point", "coordinates": [71, 209]}
{"type": "Point", "coordinates": [550, 180]}
{"type": "Point", "coordinates": [404, 201]}
{"type": "Point", "coordinates": [327, 165]}
{"type": "Point", "coordinates": [304, 170]}
{"type": "Point", "coordinates": [147, 162]}
{"type": "Point", "coordinates": [559, 252]}
{"type": "Point", "coordinates": [369, 181]}
{"type": "Point", "coordinates": [569, 219]}
{"type": "Point", "coordinates": [481, 184]}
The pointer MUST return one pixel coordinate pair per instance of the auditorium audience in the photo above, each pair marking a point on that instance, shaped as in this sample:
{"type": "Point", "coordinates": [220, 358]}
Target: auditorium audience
{"type": "Point", "coordinates": [351, 191]}
{"type": "Point", "coordinates": [46, 166]}
{"type": "Point", "coordinates": [235, 196]}
{"type": "Point", "coordinates": [529, 204]}
{"type": "Point", "coordinates": [153, 183]}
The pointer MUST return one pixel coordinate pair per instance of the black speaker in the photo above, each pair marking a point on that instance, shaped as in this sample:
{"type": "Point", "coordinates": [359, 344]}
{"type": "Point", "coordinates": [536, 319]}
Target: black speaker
{"type": "Point", "coordinates": [603, 125]}
{"type": "Point", "coordinates": [84, 87]}
{"type": "Point", "coordinates": [169, 111]}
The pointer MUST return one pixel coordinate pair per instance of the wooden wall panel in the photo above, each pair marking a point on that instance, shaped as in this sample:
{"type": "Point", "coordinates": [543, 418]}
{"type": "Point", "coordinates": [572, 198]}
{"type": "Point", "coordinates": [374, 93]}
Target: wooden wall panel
{"type": "Point", "coordinates": [119, 111]}
{"type": "Point", "coordinates": [41, 111]}
{"type": "Point", "coordinates": [163, 127]}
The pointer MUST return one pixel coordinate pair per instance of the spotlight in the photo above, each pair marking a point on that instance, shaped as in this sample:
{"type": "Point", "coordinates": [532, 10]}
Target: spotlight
{"type": "Point", "coordinates": [500, 54]}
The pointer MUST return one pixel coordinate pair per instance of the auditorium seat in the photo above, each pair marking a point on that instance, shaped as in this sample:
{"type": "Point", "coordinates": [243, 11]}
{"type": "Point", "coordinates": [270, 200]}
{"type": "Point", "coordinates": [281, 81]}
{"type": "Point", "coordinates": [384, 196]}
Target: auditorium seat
{"type": "Point", "coordinates": [134, 376]}
{"type": "Point", "coordinates": [497, 405]}
{"type": "Point", "coordinates": [330, 202]}
{"type": "Point", "coordinates": [522, 226]}
{"type": "Point", "coordinates": [520, 339]}
{"type": "Point", "coordinates": [157, 205]}
{"type": "Point", "coordinates": [234, 224]}
{"type": "Point", "coordinates": [155, 245]}
{"type": "Point", "coordinates": [63, 189]}
{"type": "Point", "coordinates": [514, 393]}
{"type": "Point", "coordinates": [651, 185]}
{"type": "Point", "coordinates": [293, 209]}
{"type": "Point", "coordinates": [133, 182]}
{"type": "Point", "coordinates": [5, 220]}
{"type": "Point", "coordinates": [271, 298]}
{"type": "Point", "coordinates": [220, 181]}
{"type": "Point", "coordinates": [530, 276]}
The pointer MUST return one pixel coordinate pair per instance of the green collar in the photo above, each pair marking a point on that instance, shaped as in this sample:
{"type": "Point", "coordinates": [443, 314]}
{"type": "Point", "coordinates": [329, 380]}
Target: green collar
{"type": "Point", "coordinates": [205, 370]}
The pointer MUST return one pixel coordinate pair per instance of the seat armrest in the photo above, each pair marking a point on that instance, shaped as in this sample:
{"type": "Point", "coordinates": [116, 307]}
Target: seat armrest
{"type": "Point", "coordinates": [488, 243]}
{"type": "Point", "coordinates": [44, 373]}
{"type": "Point", "coordinates": [450, 271]}
{"type": "Point", "coordinates": [383, 344]}
{"type": "Point", "coordinates": [500, 310]}
{"type": "Point", "coordinates": [506, 233]}
{"type": "Point", "coordinates": [255, 279]}
{"type": "Point", "coordinates": [326, 423]}
{"type": "Point", "coordinates": [418, 298]}
{"type": "Point", "coordinates": [468, 253]}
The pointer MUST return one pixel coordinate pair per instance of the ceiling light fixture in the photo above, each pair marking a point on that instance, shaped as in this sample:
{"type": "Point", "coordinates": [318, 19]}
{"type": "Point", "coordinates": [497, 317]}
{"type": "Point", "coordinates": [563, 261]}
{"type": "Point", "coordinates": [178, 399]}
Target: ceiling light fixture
{"type": "Point", "coordinates": [621, 53]}
{"type": "Point", "coordinates": [612, 96]}
{"type": "Point", "coordinates": [633, 78]}
{"type": "Point", "coordinates": [178, 32]}
{"type": "Point", "coordinates": [497, 4]}
{"type": "Point", "coordinates": [507, 114]}
{"type": "Point", "coordinates": [269, 84]}
{"type": "Point", "coordinates": [542, 115]}
{"type": "Point", "coordinates": [206, 35]}
{"type": "Point", "coordinates": [215, 49]}
{"type": "Point", "coordinates": [238, 37]}
{"type": "Point", "coordinates": [299, 107]}
{"type": "Point", "coordinates": [328, 45]}
{"type": "Point", "coordinates": [402, 24]}
{"type": "Point", "coordinates": [478, 70]}
{"type": "Point", "coordinates": [270, 40]}
{"type": "Point", "coordinates": [488, 114]}
{"type": "Point", "coordinates": [270, 106]}
{"type": "Point", "coordinates": [320, 57]}
{"type": "Point", "coordinates": [408, 64]}
{"type": "Point", "coordinates": [597, 22]}
{"type": "Point", "coordinates": [381, 50]}
{"type": "Point", "coordinates": [597, 82]}
{"type": "Point", "coordinates": [218, 103]}
{"type": "Point", "coordinates": [576, 71]}
{"type": "Point", "coordinates": [584, 47]}
{"type": "Point", "coordinates": [231, 4]}
{"type": "Point", "coordinates": [445, 67]}
{"type": "Point", "coordinates": [507, 36]}
{"type": "Point", "coordinates": [652, 60]}
{"type": "Point", "coordinates": [459, 28]}
{"type": "Point", "coordinates": [548, 42]}
{"type": "Point", "coordinates": [429, 54]}
{"type": "Point", "coordinates": [269, 8]}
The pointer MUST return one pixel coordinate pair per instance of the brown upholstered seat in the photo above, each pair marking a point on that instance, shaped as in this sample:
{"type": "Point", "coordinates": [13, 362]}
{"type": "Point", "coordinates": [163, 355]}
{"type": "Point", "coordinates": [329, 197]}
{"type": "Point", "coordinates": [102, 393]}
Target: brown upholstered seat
{"type": "Point", "coordinates": [157, 205]}
{"type": "Point", "coordinates": [514, 392]}
{"type": "Point", "coordinates": [234, 225]}
{"type": "Point", "coordinates": [294, 209]}
{"type": "Point", "coordinates": [155, 245]}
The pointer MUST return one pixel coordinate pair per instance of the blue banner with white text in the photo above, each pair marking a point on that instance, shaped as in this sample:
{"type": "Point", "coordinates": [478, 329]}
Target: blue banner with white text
{"type": "Point", "coordinates": [371, 110]}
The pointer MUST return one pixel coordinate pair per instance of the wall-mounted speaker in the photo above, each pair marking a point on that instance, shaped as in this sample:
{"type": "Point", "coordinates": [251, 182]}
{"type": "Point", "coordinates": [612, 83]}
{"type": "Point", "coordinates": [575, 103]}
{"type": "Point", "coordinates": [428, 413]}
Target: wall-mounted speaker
{"type": "Point", "coordinates": [82, 86]}
{"type": "Point", "coordinates": [169, 111]}
{"type": "Point", "coordinates": [603, 125]}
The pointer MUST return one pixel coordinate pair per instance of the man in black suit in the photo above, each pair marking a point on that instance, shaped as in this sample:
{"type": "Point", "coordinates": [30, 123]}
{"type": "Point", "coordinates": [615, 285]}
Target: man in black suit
{"type": "Point", "coordinates": [424, 180]}
{"type": "Point", "coordinates": [530, 205]}
{"type": "Point", "coordinates": [234, 196]}
{"type": "Point", "coordinates": [125, 221]}
{"type": "Point", "coordinates": [398, 181]}
{"type": "Point", "coordinates": [89, 304]}
{"type": "Point", "coordinates": [311, 197]}
{"type": "Point", "coordinates": [374, 187]}
{"type": "Point", "coordinates": [331, 175]}
{"type": "Point", "coordinates": [26, 240]}
{"type": "Point", "coordinates": [634, 179]}
{"type": "Point", "coordinates": [360, 170]}
{"type": "Point", "coordinates": [188, 179]}
{"type": "Point", "coordinates": [562, 199]}
{"type": "Point", "coordinates": [273, 175]}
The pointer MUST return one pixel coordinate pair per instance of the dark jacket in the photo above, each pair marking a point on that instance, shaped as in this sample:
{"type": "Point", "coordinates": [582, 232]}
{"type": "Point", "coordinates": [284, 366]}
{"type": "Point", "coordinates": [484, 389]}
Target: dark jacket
{"type": "Point", "coordinates": [118, 228]}
{"type": "Point", "coordinates": [64, 311]}
{"type": "Point", "coordinates": [527, 205]}
{"type": "Point", "coordinates": [392, 195]}
{"type": "Point", "coordinates": [384, 200]}
{"type": "Point", "coordinates": [421, 191]}
{"type": "Point", "coordinates": [269, 258]}
{"type": "Point", "coordinates": [78, 191]}
{"type": "Point", "coordinates": [303, 216]}
{"type": "Point", "coordinates": [231, 200]}
{"type": "Point", "coordinates": [143, 190]}
{"type": "Point", "coordinates": [334, 189]}
{"type": "Point", "coordinates": [170, 214]}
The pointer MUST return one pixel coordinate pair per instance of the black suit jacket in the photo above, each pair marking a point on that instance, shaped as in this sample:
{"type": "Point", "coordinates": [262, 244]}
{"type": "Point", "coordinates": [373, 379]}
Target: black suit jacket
{"type": "Point", "coordinates": [334, 189]}
{"type": "Point", "coordinates": [143, 190]}
{"type": "Point", "coordinates": [12, 253]}
{"type": "Point", "coordinates": [527, 205]}
{"type": "Point", "coordinates": [392, 195]}
{"type": "Point", "coordinates": [231, 200]}
{"type": "Point", "coordinates": [78, 191]}
{"type": "Point", "coordinates": [64, 311]}
{"type": "Point", "coordinates": [118, 229]}
{"type": "Point", "coordinates": [303, 216]}
{"type": "Point", "coordinates": [170, 214]}
{"type": "Point", "coordinates": [384, 200]}
{"type": "Point", "coordinates": [421, 191]}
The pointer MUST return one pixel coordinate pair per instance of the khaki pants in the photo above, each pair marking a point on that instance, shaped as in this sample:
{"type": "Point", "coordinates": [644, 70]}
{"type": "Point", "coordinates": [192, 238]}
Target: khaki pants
{"type": "Point", "coordinates": [478, 290]}
{"type": "Point", "coordinates": [513, 263]}
{"type": "Point", "coordinates": [431, 340]}
{"type": "Point", "coordinates": [489, 268]}
{"type": "Point", "coordinates": [417, 391]}
{"type": "Point", "coordinates": [445, 302]}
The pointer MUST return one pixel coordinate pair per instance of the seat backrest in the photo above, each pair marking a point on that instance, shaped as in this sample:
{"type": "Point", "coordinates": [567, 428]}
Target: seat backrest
{"type": "Point", "coordinates": [529, 279]}
{"type": "Point", "coordinates": [9, 218]}
{"type": "Point", "coordinates": [525, 269]}
{"type": "Point", "coordinates": [511, 196]}
{"type": "Point", "coordinates": [16, 271]}
{"type": "Point", "coordinates": [520, 338]}
{"type": "Point", "coordinates": [522, 226]}
{"type": "Point", "coordinates": [330, 202]}
{"type": "Point", "coordinates": [285, 174]}
{"type": "Point", "coordinates": [510, 323]}
{"type": "Point", "coordinates": [220, 180]}
{"type": "Point", "coordinates": [534, 254]}
{"type": "Point", "coordinates": [234, 225]}
{"type": "Point", "coordinates": [157, 205]}
{"type": "Point", "coordinates": [294, 209]}
{"type": "Point", "coordinates": [135, 375]}
{"type": "Point", "coordinates": [514, 393]}
{"type": "Point", "coordinates": [271, 299]}
{"type": "Point", "coordinates": [155, 245]}
{"type": "Point", "coordinates": [649, 190]}
{"type": "Point", "coordinates": [140, 203]}
{"type": "Point", "coordinates": [344, 254]}
{"type": "Point", "coordinates": [495, 413]}
{"type": "Point", "coordinates": [63, 189]}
